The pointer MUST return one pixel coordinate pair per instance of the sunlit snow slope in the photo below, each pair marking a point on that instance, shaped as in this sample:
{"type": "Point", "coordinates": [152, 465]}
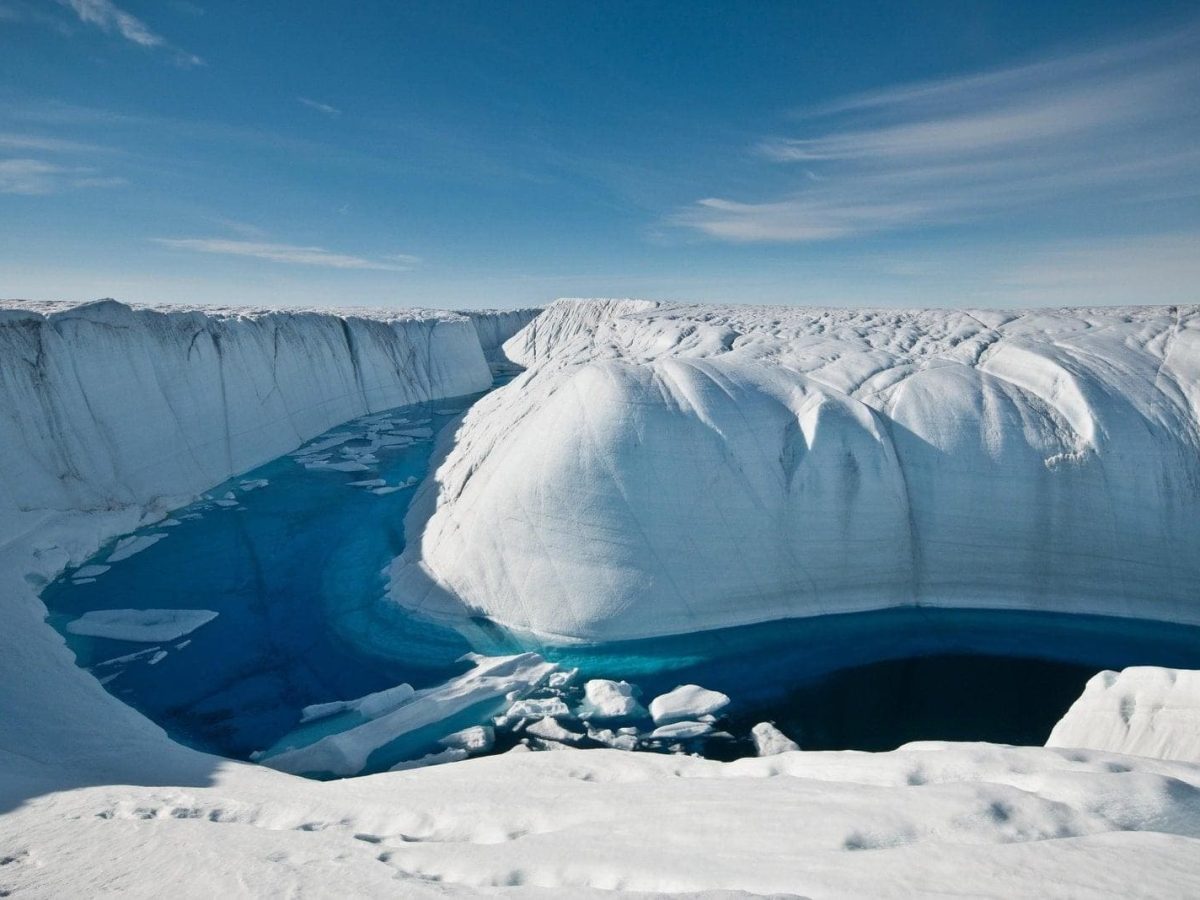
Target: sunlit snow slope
{"type": "Point", "coordinates": [665, 469]}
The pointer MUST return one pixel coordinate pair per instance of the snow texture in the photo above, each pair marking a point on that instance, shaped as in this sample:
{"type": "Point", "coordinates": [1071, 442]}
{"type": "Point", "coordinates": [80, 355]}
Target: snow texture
{"type": "Point", "coordinates": [668, 469]}
{"type": "Point", "coordinates": [1143, 710]}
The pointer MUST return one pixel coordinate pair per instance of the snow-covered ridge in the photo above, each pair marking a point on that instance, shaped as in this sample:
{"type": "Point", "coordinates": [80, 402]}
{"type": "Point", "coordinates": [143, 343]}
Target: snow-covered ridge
{"type": "Point", "coordinates": [662, 469]}
{"type": "Point", "coordinates": [104, 406]}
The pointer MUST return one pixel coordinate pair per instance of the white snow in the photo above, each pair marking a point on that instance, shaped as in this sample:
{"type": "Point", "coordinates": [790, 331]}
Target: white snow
{"type": "Point", "coordinates": [606, 700]}
{"type": "Point", "coordinates": [1143, 710]}
{"type": "Point", "coordinates": [850, 459]}
{"type": "Point", "coordinates": [449, 755]}
{"type": "Point", "coordinates": [770, 741]}
{"type": "Point", "coordinates": [141, 625]}
{"type": "Point", "coordinates": [688, 701]}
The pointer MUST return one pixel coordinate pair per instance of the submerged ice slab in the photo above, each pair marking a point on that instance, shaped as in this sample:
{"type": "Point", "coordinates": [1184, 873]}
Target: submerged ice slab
{"type": "Point", "coordinates": [667, 469]}
{"type": "Point", "coordinates": [140, 625]}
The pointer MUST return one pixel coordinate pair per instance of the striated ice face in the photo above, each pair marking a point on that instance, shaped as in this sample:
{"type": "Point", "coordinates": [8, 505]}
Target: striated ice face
{"type": "Point", "coordinates": [661, 470]}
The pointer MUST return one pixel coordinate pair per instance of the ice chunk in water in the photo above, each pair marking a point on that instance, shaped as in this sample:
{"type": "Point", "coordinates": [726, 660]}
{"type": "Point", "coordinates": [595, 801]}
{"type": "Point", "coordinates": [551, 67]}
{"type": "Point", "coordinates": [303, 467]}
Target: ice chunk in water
{"type": "Point", "coordinates": [140, 625]}
{"type": "Point", "coordinates": [607, 700]}
{"type": "Point", "coordinates": [769, 740]}
{"type": "Point", "coordinates": [128, 546]}
{"type": "Point", "coordinates": [688, 701]}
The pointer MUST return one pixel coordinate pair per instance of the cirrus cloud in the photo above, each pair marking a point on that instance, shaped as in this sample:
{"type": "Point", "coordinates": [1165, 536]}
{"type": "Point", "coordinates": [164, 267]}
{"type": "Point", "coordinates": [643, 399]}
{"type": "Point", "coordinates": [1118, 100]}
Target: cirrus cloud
{"type": "Point", "coordinates": [291, 254]}
{"type": "Point", "coordinates": [1118, 125]}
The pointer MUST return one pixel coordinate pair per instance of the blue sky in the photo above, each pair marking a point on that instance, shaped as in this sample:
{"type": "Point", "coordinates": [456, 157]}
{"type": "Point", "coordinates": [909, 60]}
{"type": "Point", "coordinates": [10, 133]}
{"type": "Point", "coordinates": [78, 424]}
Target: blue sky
{"type": "Point", "coordinates": [502, 154]}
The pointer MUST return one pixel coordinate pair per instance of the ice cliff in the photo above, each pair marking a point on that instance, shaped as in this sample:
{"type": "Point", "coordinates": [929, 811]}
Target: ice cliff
{"type": "Point", "coordinates": [663, 469]}
{"type": "Point", "coordinates": [105, 407]}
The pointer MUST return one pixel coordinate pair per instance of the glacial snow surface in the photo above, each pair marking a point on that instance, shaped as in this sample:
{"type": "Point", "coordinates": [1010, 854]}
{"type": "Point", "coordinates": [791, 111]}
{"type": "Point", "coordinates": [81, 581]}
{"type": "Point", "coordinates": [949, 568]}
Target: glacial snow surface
{"type": "Point", "coordinates": [95, 799]}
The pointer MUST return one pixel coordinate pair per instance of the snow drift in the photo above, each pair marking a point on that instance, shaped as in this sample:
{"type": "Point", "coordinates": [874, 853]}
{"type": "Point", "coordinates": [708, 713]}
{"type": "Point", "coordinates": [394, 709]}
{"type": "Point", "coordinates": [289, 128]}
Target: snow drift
{"type": "Point", "coordinates": [662, 469]}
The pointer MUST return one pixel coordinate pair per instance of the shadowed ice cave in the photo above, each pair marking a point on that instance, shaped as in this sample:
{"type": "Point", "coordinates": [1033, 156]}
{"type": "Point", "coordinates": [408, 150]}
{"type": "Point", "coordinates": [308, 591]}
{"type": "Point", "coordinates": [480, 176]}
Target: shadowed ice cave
{"type": "Point", "coordinates": [290, 559]}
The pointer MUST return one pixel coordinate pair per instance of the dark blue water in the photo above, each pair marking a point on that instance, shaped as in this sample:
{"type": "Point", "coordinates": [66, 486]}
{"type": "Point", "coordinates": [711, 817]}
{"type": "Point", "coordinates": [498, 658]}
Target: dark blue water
{"type": "Point", "coordinates": [294, 571]}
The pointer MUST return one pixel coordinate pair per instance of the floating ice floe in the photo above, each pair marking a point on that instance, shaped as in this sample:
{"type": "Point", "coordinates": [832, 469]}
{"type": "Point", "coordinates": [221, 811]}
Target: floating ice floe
{"type": "Point", "coordinates": [681, 731]}
{"type": "Point", "coordinates": [476, 739]}
{"type": "Point", "coordinates": [688, 701]}
{"type": "Point", "coordinates": [372, 705]}
{"type": "Point", "coordinates": [140, 625]}
{"type": "Point", "coordinates": [253, 484]}
{"type": "Point", "coordinates": [606, 700]}
{"type": "Point", "coordinates": [128, 546]}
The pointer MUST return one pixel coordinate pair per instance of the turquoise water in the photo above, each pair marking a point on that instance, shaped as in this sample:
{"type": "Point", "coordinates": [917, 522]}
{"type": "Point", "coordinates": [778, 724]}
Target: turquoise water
{"type": "Point", "coordinates": [293, 568]}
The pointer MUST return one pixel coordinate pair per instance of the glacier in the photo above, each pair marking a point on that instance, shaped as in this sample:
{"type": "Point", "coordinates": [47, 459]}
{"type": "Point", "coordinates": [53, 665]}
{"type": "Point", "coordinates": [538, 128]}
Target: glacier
{"type": "Point", "coordinates": [96, 798]}
{"type": "Point", "coordinates": [662, 469]}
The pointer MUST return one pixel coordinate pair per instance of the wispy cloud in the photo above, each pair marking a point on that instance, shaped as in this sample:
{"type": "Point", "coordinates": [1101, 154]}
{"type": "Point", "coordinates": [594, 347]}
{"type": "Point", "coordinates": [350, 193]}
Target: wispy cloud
{"type": "Point", "coordinates": [1121, 123]}
{"type": "Point", "coordinates": [42, 143]}
{"type": "Point", "coordinates": [110, 18]}
{"type": "Point", "coordinates": [33, 177]}
{"type": "Point", "coordinates": [320, 107]}
{"type": "Point", "coordinates": [290, 253]}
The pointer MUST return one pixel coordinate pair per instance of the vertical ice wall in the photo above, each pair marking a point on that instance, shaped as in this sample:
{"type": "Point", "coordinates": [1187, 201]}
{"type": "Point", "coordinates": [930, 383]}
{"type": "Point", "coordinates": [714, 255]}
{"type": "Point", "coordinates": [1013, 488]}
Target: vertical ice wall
{"type": "Point", "coordinates": [103, 406]}
{"type": "Point", "coordinates": [495, 326]}
{"type": "Point", "coordinates": [664, 469]}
